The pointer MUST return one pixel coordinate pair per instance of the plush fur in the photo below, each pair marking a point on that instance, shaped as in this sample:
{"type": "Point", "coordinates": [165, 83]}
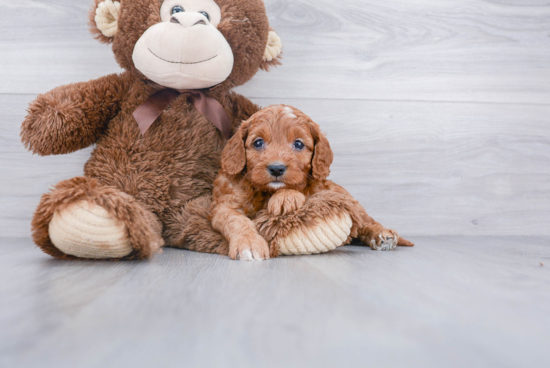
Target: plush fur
{"type": "Point", "coordinates": [143, 226]}
{"type": "Point", "coordinates": [148, 182]}
{"type": "Point", "coordinates": [253, 208]}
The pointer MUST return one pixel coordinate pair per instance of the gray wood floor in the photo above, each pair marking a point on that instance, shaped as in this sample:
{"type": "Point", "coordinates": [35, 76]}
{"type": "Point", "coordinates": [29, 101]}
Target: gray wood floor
{"type": "Point", "coordinates": [439, 116]}
{"type": "Point", "coordinates": [450, 302]}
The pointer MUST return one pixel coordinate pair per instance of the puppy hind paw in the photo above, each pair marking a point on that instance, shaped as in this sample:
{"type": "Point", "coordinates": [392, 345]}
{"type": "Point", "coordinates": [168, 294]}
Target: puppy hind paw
{"type": "Point", "coordinates": [387, 240]}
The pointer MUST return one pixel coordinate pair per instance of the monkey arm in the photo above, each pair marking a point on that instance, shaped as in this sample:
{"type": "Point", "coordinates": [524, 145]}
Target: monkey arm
{"type": "Point", "coordinates": [242, 109]}
{"type": "Point", "coordinates": [72, 117]}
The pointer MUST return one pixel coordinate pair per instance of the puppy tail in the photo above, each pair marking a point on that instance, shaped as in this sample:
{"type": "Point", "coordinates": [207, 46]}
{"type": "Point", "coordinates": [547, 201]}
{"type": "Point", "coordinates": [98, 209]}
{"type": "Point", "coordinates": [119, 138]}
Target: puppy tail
{"type": "Point", "coordinates": [404, 242]}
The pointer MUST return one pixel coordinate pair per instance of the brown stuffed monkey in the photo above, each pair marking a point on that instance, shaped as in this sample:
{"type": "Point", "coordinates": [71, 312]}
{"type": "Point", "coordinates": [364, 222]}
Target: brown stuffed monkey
{"type": "Point", "coordinates": [159, 127]}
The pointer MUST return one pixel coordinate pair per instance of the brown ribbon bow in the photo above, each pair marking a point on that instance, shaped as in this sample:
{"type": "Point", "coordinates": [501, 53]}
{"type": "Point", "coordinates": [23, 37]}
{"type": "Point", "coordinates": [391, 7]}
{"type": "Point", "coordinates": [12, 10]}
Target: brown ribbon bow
{"type": "Point", "coordinates": [208, 106]}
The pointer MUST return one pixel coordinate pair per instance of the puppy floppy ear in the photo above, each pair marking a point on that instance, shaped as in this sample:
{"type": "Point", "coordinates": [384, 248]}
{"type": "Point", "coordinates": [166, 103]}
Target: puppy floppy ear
{"type": "Point", "coordinates": [273, 51]}
{"type": "Point", "coordinates": [322, 154]}
{"type": "Point", "coordinates": [234, 153]}
{"type": "Point", "coordinates": [104, 19]}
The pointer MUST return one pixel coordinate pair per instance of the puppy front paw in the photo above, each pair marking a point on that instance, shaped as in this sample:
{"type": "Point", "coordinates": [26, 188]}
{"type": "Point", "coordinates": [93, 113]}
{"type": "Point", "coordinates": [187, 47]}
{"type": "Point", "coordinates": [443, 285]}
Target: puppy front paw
{"type": "Point", "coordinates": [384, 240]}
{"type": "Point", "coordinates": [253, 248]}
{"type": "Point", "coordinates": [285, 201]}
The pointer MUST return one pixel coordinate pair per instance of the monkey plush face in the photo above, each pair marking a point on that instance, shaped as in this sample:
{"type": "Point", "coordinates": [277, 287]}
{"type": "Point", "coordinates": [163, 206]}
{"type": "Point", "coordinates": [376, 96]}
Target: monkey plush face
{"type": "Point", "coordinates": [188, 44]}
{"type": "Point", "coordinates": [185, 49]}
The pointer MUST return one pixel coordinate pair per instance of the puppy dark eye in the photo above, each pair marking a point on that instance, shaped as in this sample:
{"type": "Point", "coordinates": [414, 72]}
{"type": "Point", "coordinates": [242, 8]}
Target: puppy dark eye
{"type": "Point", "coordinates": [299, 145]}
{"type": "Point", "coordinates": [205, 14]}
{"type": "Point", "coordinates": [259, 143]}
{"type": "Point", "coordinates": [177, 9]}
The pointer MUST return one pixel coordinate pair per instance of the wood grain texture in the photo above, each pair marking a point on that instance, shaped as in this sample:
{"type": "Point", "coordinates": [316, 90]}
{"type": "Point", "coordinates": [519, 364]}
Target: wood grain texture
{"type": "Point", "coordinates": [421, 168]}
{"type": "Point", "coordinates": [449, 302]}
{"type": "Point", "coordinates": [451, 50]}
{"type": "Point", "coordinates": [44, 44]}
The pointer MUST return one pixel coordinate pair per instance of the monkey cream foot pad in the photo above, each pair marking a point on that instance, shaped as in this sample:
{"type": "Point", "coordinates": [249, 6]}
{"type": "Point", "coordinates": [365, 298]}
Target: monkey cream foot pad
{"type": "Point", "coordinates": [320, 238]}
{"type": "Point", "coordinates": [87, 230]}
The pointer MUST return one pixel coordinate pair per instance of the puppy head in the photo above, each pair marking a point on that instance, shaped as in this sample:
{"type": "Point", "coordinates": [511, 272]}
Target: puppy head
{"type": "Point", "coordinates": [278, 147]}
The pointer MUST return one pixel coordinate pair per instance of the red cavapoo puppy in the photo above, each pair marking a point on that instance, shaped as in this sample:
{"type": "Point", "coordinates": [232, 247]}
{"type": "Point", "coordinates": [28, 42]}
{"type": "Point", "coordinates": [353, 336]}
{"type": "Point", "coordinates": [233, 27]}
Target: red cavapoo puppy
{"type": "Point", "coordinates": [273, 166]}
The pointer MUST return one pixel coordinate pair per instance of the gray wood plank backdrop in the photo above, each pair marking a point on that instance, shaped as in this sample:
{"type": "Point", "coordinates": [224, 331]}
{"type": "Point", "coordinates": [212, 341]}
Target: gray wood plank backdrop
{"type": "Point", "coordinates": [438, 111]}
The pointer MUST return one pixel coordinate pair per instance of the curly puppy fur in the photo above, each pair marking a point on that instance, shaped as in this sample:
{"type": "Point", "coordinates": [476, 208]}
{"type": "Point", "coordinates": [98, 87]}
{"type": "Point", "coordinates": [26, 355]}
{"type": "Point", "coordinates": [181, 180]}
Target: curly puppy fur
{"type": "Point", "coordinates": [151, 179]}
{"type": "Point", "coordinates": [274, 178]}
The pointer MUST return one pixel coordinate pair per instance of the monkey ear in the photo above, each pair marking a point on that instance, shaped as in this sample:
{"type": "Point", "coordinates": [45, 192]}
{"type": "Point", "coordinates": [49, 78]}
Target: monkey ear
{"type": "Point", "coordinates": [322, 156]}
{"type": "Point", "coordinates": [273, 51]}
{"type": "Point", "coordinates": [234, 154]}
{"type": "Point", "coordinates": [104, 19]}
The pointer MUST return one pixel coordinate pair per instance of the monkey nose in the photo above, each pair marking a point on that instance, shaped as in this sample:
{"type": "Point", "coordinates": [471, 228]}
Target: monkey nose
{"type": "Point", "coordinates": [276, 169]}
{"type": "Point", "coordinates": [188, 20]}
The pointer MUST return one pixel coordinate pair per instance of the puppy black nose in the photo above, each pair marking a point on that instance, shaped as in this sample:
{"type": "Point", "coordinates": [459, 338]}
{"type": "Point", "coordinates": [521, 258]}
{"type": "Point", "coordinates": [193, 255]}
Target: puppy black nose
{"type": "Point", "coordinates": [276, 169]}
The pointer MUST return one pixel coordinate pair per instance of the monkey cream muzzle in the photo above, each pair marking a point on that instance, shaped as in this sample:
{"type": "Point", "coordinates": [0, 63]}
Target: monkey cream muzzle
{"type": "Point", "coordinates": [184, 55]}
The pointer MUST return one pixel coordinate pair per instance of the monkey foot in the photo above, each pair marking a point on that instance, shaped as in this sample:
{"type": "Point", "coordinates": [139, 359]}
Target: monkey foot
{"type": "Point", "coordinates": [87, 230]}
{"type": "Point", "coordinates": [320, 238]}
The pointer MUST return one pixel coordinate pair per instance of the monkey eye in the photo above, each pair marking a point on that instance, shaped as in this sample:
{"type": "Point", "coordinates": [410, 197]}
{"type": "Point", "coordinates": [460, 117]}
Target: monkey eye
{"type": "Point", "coordinates": [259, 143]}
{"type": "Point", "coordinates": [299, 145]}
{"type": "Point", "coordinates": [205, 14]}
{"type": "Point", "coordinates": [177, 9]}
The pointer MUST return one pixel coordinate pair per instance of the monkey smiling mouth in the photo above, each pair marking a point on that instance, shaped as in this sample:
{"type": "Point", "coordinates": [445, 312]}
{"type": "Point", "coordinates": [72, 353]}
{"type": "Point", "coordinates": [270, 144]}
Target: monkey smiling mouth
{"type": "Point", "coordinates": [178, 62]}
